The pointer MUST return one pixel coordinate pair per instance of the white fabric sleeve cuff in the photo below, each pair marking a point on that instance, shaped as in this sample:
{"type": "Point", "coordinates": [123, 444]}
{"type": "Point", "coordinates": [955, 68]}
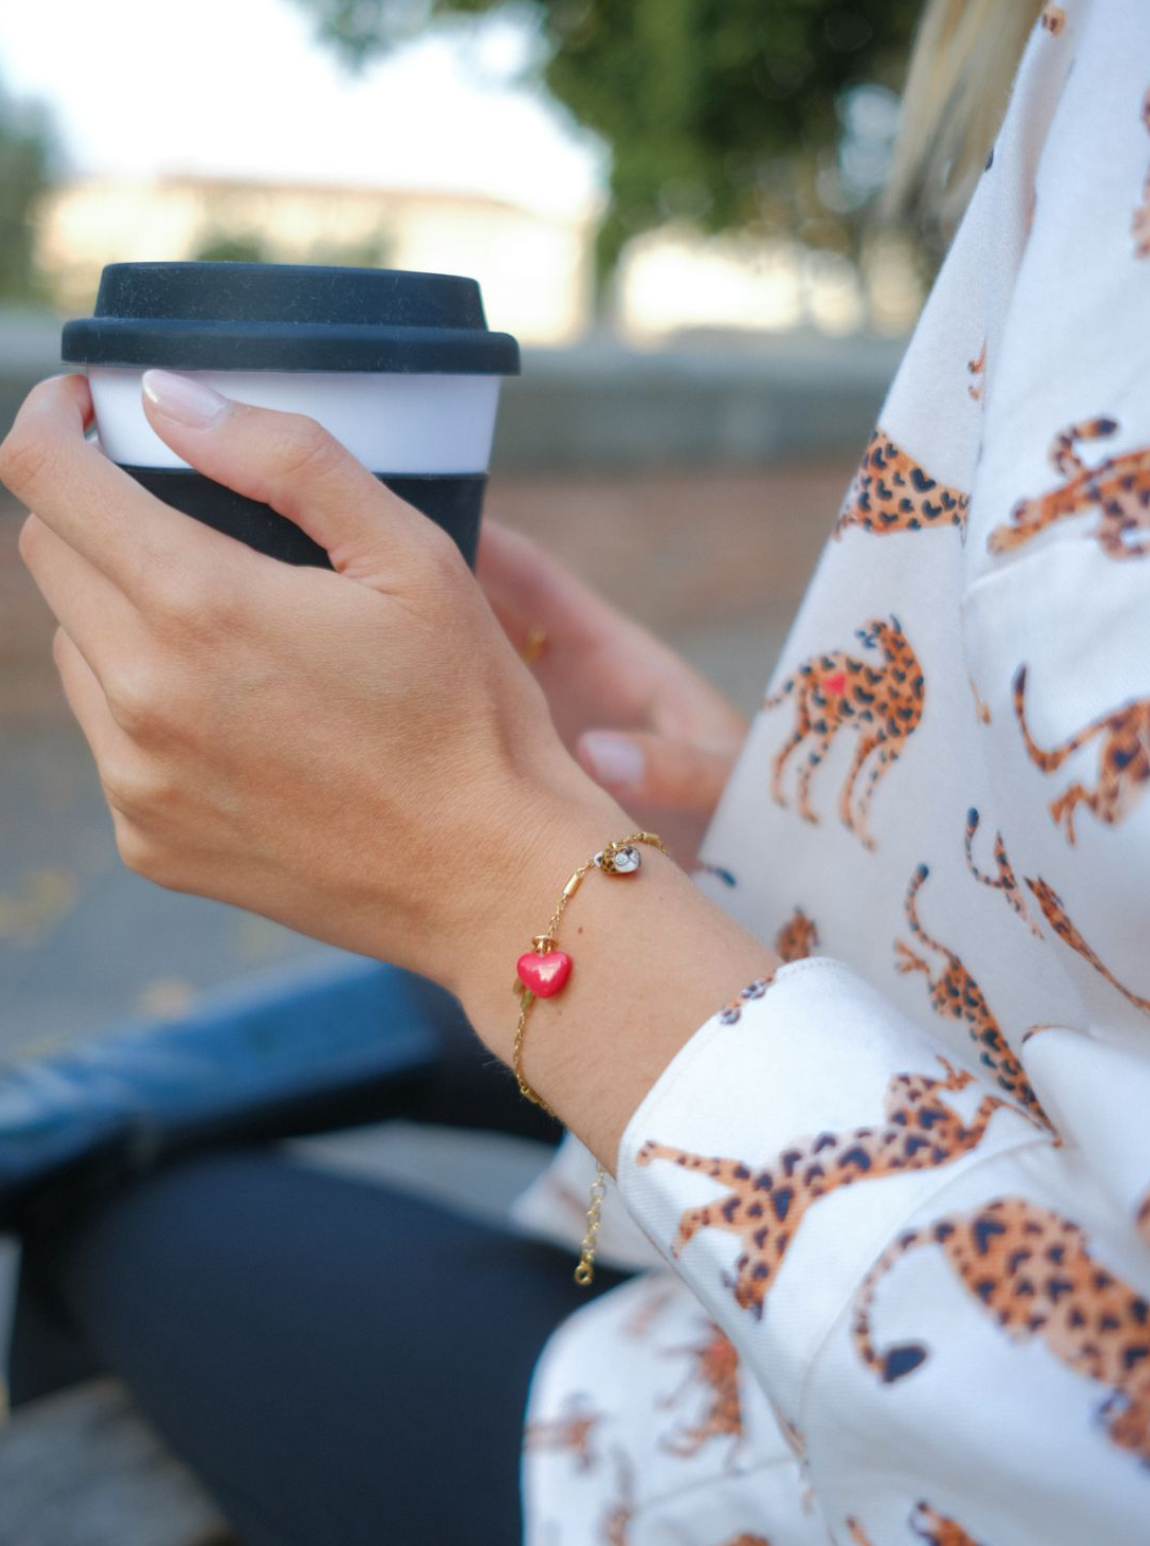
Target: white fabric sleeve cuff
{"type": "Point", "coordinates": [784, 1146]}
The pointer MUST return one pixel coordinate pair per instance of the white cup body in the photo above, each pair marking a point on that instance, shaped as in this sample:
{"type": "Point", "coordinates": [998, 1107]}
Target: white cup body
{"type": "Point", "coordinates": [395, 423]}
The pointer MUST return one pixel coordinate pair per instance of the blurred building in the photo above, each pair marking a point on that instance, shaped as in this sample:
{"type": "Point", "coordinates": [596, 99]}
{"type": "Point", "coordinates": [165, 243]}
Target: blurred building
{"type": "Point", "coordinates": [535, 269]}
{"type": "Point", "coordinates": [740, 287]}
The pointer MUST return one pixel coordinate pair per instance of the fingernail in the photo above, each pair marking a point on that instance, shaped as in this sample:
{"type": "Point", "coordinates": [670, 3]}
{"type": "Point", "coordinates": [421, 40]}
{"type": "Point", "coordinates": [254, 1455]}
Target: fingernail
{"type": "Point", "coordinates": [614, 759]}
{"type": "Point", "coordinates": [180, 398]}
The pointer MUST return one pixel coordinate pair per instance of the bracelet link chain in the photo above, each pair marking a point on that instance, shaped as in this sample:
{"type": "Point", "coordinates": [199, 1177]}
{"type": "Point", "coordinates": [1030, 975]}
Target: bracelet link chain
{"type": "Point", "coordinates": [542, 972]}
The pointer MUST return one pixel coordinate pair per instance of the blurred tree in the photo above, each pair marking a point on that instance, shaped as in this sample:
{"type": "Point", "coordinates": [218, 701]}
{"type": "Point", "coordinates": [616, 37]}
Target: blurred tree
{"type": "Point", "coordinates": [224, 246]}
{"type": "Point", "coordinates": [372, 251]}
{"type": "Point", "coordinates": [29, 162]}
{"type": "Point", "coordinates": [727, 113]}
{"type": "Point", "coordinates": [222, 243]}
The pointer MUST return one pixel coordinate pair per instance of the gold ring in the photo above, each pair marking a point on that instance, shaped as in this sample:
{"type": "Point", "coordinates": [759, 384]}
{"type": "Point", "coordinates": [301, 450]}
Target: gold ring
{"type": "Point", "coordinates": [534, 645]}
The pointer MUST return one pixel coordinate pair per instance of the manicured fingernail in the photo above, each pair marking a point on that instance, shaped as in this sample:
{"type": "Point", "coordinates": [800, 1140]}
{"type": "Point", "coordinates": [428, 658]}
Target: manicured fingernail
{"type": "Point", "coordinates": [180, 398]}
{"type": "Point", "coordinates": [614, 759]}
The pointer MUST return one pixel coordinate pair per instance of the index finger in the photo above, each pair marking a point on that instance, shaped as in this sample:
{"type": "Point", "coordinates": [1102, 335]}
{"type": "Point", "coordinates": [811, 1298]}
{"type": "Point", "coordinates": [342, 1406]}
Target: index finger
{"type": "Point", "coordinates": [96, 507]}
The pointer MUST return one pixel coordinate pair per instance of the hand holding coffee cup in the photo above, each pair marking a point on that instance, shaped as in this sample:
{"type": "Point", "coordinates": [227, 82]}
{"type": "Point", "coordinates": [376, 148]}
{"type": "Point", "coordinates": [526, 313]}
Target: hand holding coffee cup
{"type": "Point", "coordinates": [360, 755]}
{"type": "Point", "coordinates": [400, 367]}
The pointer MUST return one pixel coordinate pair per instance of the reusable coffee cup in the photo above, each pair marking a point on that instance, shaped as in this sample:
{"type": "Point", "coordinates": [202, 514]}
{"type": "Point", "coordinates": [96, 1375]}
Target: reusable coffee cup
{"type": "Point", "coordinates": [400, 367]}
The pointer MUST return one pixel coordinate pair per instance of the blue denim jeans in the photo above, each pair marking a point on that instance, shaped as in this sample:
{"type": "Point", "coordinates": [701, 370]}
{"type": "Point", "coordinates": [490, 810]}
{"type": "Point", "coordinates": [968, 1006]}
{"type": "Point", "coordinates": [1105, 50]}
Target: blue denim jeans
{"type": "Point", "coordinates": [340, 1363]}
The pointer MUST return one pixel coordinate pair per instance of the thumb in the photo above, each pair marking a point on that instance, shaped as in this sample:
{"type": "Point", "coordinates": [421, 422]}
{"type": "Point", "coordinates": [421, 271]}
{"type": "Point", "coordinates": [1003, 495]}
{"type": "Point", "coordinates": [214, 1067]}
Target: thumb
{"type": "Point", "coordinates": [287, 461]}
{"type": "Point", "coordinates": [670, 775]}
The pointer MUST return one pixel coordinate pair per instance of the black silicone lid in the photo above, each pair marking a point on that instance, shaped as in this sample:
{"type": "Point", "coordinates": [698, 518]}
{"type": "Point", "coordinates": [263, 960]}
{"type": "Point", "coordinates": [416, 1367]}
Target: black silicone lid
{"type": "Point", "coordinates": [288, 316]}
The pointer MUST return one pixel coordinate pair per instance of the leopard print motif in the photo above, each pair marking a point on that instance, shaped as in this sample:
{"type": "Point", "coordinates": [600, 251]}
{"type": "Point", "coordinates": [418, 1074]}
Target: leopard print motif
{"type": "Point", "coordinates": [976, 368]}
{"type": "Point", "coordinates": [1140, 225]}
{"type": "Point", "coordinates": [1056, 916]}
{"type": "Point", "coordinates": [1005, 880]}
{"type": "Point", "coordinates": [617, 1521]}
{"type": "Point", "coordinates": [727, 877]}
{"type": "Point", "coordinates": [795, 1438]}
{"type": "Point", "coordinates": [765, 1207]}
{"type": "Point", "coordinates": [1124, 761]}
{"type": "Point", "coordinates": [640, 1322]}
{"type": "Point", "coordinates": [928, 1524]}
{"type": "Point", "coordinates": [955, 995]}
{"type": "Point", "coordinates": [1031, 1269]}
{"type": "Point", "coordinates": [980, 708]}
{"type": "Point", "coordinates": [891, 492]}
{"type": "Point", "coordinates": [1119, 488]}
{"type": "Point", "coordinates": [1142, 1222]}
{"type": "Point", "coordinates": [798, 938]}
{"type": "Point", "coordinates": [749, 1540]}
{"type": "Point", "coordinates": [884, 704]}
{"type": "Point", "coordinates": [572, 1433]}
{"type": "Point", "coordinates": [938, 1529]}
{"type": "Point", "coordinates": [714, 1366]}
{"type": "Point", "coordinates": [1053, 19]}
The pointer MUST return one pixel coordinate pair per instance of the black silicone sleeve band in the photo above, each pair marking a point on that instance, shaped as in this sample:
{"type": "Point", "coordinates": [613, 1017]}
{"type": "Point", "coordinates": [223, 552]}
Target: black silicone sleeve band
{"type": "Point", "coordinates": [454, 503]}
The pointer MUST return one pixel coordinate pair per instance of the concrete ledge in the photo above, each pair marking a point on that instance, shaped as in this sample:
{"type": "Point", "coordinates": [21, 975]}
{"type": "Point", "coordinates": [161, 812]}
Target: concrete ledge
{"type": "Point", "coordinates": [604, 407]}
{"type": "Point", "coordinates": [613, 409]}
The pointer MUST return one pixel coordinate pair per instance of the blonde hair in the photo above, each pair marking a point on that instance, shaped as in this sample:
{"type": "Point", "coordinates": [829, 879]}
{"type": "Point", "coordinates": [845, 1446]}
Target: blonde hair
{"type": "Point", "coordinates": [962, 66]}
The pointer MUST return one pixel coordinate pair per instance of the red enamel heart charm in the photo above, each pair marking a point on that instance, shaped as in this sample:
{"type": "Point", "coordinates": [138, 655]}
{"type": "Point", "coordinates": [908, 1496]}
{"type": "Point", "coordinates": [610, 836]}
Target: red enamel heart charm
{"type": "Point", "coordinates": [835, 683]}
{"type": "Point", "coordinates": [544, 975]}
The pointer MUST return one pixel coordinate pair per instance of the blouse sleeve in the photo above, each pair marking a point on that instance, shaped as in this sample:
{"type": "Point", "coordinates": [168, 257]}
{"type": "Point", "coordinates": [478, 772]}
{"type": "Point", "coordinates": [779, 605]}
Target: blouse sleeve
{"type": "Point", "coordinates": [941, 1283]}
{"type": "Point", "coordinates": [936, 1291]}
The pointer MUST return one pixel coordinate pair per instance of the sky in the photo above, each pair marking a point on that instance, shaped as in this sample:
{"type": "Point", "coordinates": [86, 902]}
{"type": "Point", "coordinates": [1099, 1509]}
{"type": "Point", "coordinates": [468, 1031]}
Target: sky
{"type": "Point", "coordinates": [243, 88]}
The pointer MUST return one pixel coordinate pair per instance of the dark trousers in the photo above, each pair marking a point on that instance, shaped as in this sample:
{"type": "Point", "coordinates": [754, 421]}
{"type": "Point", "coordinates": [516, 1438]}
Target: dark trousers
{"type": "Point", "coordinates": [340, 1363]}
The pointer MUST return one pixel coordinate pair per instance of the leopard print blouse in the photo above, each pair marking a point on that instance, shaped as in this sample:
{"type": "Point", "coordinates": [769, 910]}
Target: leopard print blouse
{"type": "Point", "coordinates": [891, 1207]}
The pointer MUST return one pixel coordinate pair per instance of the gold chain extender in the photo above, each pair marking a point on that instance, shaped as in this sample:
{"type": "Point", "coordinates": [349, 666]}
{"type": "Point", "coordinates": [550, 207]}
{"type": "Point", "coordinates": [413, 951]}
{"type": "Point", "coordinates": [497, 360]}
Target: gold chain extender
{"type": "Point", "coordinates": [542, 972]}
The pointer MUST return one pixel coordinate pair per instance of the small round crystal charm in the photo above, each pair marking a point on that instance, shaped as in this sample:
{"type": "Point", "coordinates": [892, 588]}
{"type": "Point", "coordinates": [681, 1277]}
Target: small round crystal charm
{"type": "Point", "coordinates": [621, 861]}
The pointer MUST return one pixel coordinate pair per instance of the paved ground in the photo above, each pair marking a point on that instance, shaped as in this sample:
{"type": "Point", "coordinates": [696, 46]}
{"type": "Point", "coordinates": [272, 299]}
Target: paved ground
{"type": "Point", "coordinates": [713, 562]}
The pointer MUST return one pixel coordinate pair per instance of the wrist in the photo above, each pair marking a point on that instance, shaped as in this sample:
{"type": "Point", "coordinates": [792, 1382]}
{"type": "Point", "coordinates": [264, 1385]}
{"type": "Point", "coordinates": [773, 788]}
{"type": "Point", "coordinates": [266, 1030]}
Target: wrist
{"type": "Point", "coordinates": [652, 959]}
{"type": "Point", "coordinates": [530, 842]}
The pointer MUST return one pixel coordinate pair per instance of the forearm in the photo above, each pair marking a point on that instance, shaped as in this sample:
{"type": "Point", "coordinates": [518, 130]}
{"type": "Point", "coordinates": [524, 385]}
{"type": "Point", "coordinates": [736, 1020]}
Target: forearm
{"type": "Point", "coordinates": [653, 958]}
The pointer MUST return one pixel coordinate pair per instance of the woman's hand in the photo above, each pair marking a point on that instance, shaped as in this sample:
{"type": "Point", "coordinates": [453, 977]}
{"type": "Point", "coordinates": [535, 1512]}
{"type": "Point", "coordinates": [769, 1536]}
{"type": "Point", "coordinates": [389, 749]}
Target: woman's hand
{"type": "Point", "coordinates": [360, 754]}
{"type": "Point", "coordinates": [639, 720]}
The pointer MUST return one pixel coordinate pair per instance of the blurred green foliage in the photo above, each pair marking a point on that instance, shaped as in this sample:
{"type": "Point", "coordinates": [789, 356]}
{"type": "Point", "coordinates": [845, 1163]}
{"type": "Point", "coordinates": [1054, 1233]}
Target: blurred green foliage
{"type": "Point", "coordinates": [374, 251]}
{"type": "Point", "coordinates": [225, 246]}
{"type": "Point", "coordinates": [724, 112]}
{"type": "Point", "coordinates": [28, 166]}
{"type": "Point", "coordinates": [223, 242]}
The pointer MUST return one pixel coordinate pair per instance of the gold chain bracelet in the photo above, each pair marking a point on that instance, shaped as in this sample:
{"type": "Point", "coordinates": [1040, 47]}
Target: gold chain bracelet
{"type": "Point", "coordinates": [542, 972]}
